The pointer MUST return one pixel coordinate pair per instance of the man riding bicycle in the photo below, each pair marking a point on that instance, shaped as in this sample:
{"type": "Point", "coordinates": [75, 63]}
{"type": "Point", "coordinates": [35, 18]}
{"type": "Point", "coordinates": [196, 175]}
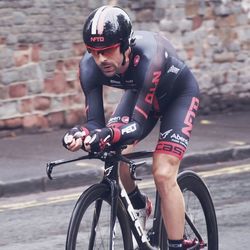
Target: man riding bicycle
{"type": "Point", "coordinates": [157, 86]}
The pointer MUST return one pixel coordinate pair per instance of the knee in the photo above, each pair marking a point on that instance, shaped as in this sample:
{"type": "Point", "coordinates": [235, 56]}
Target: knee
{"type": "Point", "coordinates": [165, 169]}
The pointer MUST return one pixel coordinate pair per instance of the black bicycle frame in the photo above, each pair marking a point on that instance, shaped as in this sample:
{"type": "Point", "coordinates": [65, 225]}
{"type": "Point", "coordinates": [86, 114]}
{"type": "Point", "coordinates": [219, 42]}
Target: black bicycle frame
{"type": "Point", "coordinates": [116, 190]}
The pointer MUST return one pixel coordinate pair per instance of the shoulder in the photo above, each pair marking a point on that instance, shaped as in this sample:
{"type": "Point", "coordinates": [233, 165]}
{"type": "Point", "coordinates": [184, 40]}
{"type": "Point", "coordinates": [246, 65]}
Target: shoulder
{"type": "Point", "coordinates": [89, 72]}
{"type": "Point", "coordinates": [145, 43]}
{"type": "Point", "coordinates": [87, 63]}
{"type": "Point", "coordinates": [152, 43]}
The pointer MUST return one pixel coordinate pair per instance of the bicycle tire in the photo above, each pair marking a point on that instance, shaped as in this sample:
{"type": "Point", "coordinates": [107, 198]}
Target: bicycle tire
{"type": "Point", "coordinates": [76, 236]}
{"type": "Point", "coordinates": [190, 183]}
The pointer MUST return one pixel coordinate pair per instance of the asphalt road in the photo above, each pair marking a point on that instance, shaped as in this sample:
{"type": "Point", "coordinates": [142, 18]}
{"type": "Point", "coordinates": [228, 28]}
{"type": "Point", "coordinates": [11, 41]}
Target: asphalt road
{"type": "Point", "coordinates": [39, 221]}
{"type": "Point", "coordinates": [23, 158]}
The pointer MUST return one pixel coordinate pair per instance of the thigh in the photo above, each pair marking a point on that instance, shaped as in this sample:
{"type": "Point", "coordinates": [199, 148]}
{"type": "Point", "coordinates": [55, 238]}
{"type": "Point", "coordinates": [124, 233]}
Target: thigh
{"type": "Point", "coordinates": [149, 124]}
{"type": "Point", "coordinates": [176, 125]}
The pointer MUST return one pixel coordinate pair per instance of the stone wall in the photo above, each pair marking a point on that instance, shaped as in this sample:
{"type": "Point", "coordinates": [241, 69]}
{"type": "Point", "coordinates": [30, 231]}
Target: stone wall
{"type": "Point", "coordinates": [41, 45]}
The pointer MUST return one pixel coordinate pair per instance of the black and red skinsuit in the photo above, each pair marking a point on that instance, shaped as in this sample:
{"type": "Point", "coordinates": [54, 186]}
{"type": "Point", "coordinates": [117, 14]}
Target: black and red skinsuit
{"type": "Point", "coordinates": [157, 85]}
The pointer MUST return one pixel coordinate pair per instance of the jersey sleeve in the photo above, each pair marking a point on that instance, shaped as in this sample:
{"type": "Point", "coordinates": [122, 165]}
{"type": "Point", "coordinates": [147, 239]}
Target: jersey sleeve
{"type": "Point", "coordinates": [146, 98]}
{"type": "Point", "coordinates": [124, 110]}
{"type": "Point", "coordinates": [93, 96]}
{"type": "Point", "coordinates": [138, 108]}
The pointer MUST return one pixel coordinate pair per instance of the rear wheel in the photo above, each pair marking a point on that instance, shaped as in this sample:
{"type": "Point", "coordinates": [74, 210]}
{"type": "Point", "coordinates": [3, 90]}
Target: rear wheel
{"type": "Point", "coordinates": [89, 226]}
{"type": "Point", "coordinates": [200, 219]}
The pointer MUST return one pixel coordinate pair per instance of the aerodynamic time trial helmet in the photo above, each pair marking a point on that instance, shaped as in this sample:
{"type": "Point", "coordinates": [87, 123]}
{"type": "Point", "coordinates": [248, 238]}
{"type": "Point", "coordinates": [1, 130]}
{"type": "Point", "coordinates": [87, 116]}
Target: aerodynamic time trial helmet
{"type": "Point", "coordinates": [108, 27]}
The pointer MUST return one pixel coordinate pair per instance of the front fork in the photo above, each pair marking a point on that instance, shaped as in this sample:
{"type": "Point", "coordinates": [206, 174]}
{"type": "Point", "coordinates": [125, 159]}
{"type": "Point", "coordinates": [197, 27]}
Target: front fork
{"type": "Point", "coordinates": [111, 179]}
{"type": "Point", "coordinates": [113, 212]}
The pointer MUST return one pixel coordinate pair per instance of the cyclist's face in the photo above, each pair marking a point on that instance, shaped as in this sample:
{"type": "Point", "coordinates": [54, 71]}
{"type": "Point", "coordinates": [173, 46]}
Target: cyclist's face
{"type": "Point", "coordinates": [108, 60]}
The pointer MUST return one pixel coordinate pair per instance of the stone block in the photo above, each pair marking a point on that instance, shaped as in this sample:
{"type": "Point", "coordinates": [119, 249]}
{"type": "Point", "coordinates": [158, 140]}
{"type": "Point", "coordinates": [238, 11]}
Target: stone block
{"type": "Point", "coordinates": [144, 15]}
{"type": "Point", "coordinates": [41, 103]}
{"type": "Point", "coordinates": [192, 8]}
{"type": "Point", "coordinates": [26, 105]}
{"type": "Point", "coordinates": [59, 82]}
{"type": "Point", "coordinates": [228, 21]}
{"type": "Point", "coordinates": [167, 25]}
{"type": "Point", "coordinates": [185, 25]}
{"type": "Point", "coordinates": [21, 59]}
{"type": "Point", "coordinates": [60, 65]}
{"type": "Point", "coordinates": [29, 72]}
{"type": "Point", "coordinates": [35, 86]}
{"type": "Point", "coordinates": [34, 122]}
{"type": "Point", "coordinates": [6, 58]}
{"type": "Point", "coordinates": [197, 22]}
{"type": "Point", "coordinates": [48, 85]}
{"type": "Point", "coordinates": [8, 109]}
{"type": "Point", "coordinates": [79, 48]}
{"type": "Point", "coordinates": [56, 119]}
{"type": "Point", "coordinates": [73, 117]}
{"type": "Point", "coordinates": [18, 90]}
{"type": "Point", "coordinates": [224, 57]}
{"type": "Point", "coordinates": [30, 121]}
{"type": "Point", "coordinates": [223, 10]}
{"type": "Point", "coordinates": [4, 92]}
{"type": "Point", "coordinates": [9, 76]}
{"type": "Point", "coordinates": [2, 40]}
{"type": "Point", "coordinates": [19, 18]}
{"type": "Point", "coordinates": [13, 123]}
{"type": "Point", "coordinates": [35, 52]}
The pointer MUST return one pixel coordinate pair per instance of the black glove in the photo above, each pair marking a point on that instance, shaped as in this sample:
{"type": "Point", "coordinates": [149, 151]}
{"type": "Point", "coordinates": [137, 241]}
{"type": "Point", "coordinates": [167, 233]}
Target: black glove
{"type": "Point", "coordinates": [99, 139]}
{"type": "Point", "coordinates": [74, 133]}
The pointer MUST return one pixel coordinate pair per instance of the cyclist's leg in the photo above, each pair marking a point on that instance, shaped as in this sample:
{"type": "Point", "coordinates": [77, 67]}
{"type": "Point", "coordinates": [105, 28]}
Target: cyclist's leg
{"type": "Point", "coordinates": [127, 182]}
{"type": "Point", "coordinates": [165, 169]}
{"type": "Point", "coordinates": [138, 199]}
{"type": "Point", "coordinates": [175, 132]}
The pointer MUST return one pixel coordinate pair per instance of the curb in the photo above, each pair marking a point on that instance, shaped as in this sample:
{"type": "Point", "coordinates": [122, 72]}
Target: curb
{"type": "Point", "coordinates": [213, 156]}
{"type": "Point", "coordinates": [43, 184]}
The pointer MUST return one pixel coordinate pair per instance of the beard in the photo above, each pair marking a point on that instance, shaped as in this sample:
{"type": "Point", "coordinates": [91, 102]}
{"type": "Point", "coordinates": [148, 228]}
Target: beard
{"type": "Point", "coordinates": [108, 69]}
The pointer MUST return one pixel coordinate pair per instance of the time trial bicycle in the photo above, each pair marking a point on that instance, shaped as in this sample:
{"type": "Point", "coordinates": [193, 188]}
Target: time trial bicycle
{"type": "Point", "coordinates": [103, 217]}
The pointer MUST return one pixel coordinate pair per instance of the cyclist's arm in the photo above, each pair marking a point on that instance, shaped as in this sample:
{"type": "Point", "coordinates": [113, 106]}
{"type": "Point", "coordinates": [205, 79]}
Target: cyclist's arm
{"type": "Point", "coordinates": [124, 110]}
{"type": "Point", "coordinates": [93, 96]}
{"type": "Point", "coordinates": [94, 109]}
{"type": "Point", "coordinates": [133, 130]}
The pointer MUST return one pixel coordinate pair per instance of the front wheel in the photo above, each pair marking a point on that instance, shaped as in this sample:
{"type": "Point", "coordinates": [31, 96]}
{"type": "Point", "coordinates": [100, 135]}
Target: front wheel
{"type": "Point", "coordinates": [89, 226]}
{"type": "Point", "coordinates": [200, 219]}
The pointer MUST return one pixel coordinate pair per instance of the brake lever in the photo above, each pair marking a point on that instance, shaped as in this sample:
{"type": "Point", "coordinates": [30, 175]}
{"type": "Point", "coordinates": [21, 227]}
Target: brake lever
{"type": "Point", "coordinates": [49, 170]}
{"type": "Point", "coordinates": [50, 166]}
{"type": "Point", "coordinates": [132, 169]}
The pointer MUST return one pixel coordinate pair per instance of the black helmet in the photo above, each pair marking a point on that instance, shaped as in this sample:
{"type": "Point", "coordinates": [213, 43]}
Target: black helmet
{"type": "Point", "coordinates": [107, 27]}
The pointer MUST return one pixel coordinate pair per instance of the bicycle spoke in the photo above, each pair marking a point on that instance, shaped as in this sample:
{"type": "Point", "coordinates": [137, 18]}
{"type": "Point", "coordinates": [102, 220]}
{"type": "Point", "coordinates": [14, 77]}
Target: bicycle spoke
{"type": "Point", "coordinates": [195, 228]}
{"type": "Point", "coordinates": [96, 216]}
{"type": "Point", "coordinates": [192, 226]}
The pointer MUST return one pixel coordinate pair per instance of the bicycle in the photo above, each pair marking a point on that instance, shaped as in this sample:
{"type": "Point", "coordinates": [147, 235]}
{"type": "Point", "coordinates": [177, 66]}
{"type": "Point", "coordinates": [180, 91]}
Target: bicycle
{"type": "Point", "coordinates": [103, 217]}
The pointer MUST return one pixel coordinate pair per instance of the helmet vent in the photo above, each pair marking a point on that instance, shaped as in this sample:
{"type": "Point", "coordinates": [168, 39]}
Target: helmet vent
{"type": "Point", "coordinates": [96, 20]}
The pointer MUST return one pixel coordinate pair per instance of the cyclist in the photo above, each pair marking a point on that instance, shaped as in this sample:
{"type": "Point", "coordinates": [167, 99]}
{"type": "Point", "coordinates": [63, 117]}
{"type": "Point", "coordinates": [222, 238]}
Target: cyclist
{"type": "Point", "coordinates": [157, 85]}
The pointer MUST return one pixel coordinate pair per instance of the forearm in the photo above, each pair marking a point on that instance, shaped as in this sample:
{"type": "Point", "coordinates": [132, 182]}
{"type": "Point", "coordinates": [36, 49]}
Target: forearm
{"type": "Point", "coordinates": [127, 133]}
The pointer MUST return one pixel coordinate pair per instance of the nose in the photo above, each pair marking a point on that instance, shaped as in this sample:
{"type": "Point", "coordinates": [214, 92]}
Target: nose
{"type": "Point", "coordinates": [101, 58]}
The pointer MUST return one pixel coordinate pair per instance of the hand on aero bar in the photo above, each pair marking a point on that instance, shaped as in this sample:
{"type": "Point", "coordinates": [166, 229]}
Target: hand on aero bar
{"type": "Point", "coordinates": [98, 139]}
{"type": "Point", "coordinates": [73, 139]}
